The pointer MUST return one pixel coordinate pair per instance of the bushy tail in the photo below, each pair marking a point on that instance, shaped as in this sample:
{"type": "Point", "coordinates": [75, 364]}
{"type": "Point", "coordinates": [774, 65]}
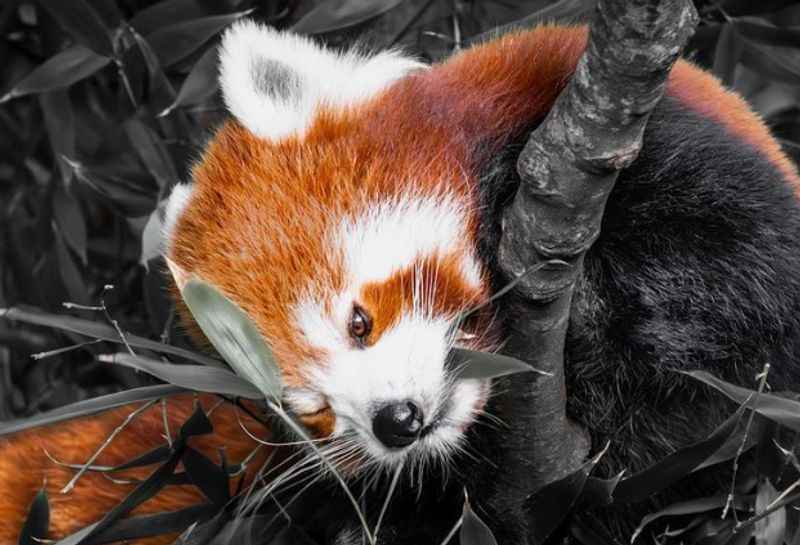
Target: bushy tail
{"type": "Point", "coordinates": [25, 465]}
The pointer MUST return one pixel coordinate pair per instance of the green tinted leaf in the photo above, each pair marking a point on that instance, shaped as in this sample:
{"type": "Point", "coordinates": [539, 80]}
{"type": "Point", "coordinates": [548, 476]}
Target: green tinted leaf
{"type": "Point", "coordinates": [82, 22]}
{"type": "Point", "coordinates": [90, 406]}
{"type": "Point", "coordinates": [200, 84]}
{"type": "Point", "coordinates": [778, 409]}
{"type": "Point", "coordinates": [195, 377]}
{"type": "Point", "coordinates": [473, 530]}
{"type": "Point", "coordinates": [338, 14]}
{"type": "Point", "coordinates": [100, 330]}
{"type": "Point", "coordinates": [471, 364]}
{"type": "Point", "coordinates": [234, 335]}
{"type": "Point", "coordinates": [37, 522]}
{"type": "Point", "coordinates": [174, 42]}
{"type": "Point", "coordinates": [62, 70]}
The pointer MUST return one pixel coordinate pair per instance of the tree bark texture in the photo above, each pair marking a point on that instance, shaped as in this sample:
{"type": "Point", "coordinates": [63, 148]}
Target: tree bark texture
{"type": "Point", "coordinates": [567, 169]}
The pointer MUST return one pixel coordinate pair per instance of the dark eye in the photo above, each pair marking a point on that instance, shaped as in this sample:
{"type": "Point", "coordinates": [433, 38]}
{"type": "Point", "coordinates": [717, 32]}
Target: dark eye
{"type": "Point", "coordinates": [360, 324]}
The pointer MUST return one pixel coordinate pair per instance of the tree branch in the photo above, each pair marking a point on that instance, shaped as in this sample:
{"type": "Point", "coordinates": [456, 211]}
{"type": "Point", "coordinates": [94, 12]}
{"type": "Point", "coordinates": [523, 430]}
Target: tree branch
{"type": "Point", "coordinates": [568, 168]}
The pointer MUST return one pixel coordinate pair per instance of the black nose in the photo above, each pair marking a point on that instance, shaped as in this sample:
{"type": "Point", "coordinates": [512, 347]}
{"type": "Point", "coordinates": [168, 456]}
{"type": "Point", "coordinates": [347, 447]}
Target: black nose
{"type": "Point", "coordinates": [397, 425]}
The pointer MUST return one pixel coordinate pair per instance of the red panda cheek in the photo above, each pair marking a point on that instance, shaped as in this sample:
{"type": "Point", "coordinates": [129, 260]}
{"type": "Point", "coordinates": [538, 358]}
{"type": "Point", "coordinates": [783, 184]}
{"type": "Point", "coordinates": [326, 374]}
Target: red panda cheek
{"type": "Point", "coordinates": [320, 424]}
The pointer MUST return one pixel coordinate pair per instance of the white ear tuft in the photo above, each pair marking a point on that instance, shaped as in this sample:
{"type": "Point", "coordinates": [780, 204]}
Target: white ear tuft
{"type": "Point", "coordinates": [273, 82]}
{"type": "Point", "coordinates": [176, 204]}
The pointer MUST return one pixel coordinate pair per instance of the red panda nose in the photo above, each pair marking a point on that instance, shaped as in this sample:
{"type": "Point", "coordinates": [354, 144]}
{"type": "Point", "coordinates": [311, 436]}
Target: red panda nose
{"type": "Point", "coordinates": [397, 425]}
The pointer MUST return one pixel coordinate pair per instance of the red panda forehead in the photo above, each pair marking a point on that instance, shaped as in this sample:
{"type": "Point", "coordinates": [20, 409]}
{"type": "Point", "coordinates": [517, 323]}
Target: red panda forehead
{"type": "Point", "coordinates": [435, 288]}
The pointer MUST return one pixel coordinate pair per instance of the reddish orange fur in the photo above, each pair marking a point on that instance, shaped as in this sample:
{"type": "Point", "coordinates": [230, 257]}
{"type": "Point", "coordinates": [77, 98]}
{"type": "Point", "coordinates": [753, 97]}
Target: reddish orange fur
{"type": "Point", "coordinates": [703, 93]}
{"type": "Point", "coordinates": [25, 467]}
{"type": "Point", "coordinates": [255, 227]}
{"type": "Point", "coordinates": [387, 301]}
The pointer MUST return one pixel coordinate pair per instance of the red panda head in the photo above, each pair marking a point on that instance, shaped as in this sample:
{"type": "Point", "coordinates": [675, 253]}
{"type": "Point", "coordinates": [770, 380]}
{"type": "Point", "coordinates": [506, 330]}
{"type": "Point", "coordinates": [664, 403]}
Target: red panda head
{"type": "Point", "coordinates": [338, 209]}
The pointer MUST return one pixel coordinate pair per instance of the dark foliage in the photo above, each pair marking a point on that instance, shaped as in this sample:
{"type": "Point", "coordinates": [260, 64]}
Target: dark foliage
{"type": "Point", "coordinates": [106, 103]}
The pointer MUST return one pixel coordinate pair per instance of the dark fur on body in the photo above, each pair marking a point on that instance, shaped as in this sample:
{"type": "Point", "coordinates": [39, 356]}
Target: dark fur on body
{"type": "Point", "coordinates": [696, 268]}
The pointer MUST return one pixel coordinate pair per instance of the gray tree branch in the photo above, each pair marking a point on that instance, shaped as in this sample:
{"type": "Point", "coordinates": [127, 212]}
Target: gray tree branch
{"type": "Point", "coordinates": [568, 168]}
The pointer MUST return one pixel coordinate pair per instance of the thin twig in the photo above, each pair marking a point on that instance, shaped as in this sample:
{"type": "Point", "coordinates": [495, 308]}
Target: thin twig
{"type": "Point", "coordinates": [453, 531]}
{"type": "Point", "coordinates": [62, 350]}
{"type": "Point", "coordinates": [113, 322]}
{"type": "Point", "coordinates": [392, 486]}
{"type": "Point", "coordinates": [71, 484]}
{"type": "Point", "coordinates": [767, 512]}
{"type": "Point", "coordinates": [167, 434]}
{"type": "Point", "coordinates": [761, 385]}
{"type": "Point", "coordinates": [783, 494]}
{"type": "Point", "coordinates": [298, 430]}
{"type": "Point", "coordinates": [78, 306]}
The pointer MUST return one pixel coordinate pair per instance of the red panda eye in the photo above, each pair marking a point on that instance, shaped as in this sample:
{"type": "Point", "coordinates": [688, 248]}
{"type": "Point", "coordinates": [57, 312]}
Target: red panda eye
{"type": "Point", "coordinates": [360, 324]}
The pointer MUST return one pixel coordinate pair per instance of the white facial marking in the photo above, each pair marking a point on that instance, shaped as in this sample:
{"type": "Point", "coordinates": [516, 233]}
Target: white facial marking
{"type": "Point", "coordinates": [407, 362]}
{"type": "Point", "coordinates": [273, 82]}
{"type": "Point", "coordinates": [177, 202]}
{"type": "Point", "coordinates": [391, 236]}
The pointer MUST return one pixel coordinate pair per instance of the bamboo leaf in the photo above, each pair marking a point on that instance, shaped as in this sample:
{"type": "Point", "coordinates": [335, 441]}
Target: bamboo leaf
{"type": "Point", "coordinates": [742, 7]}
{"type": "Point", "coordinates": [207, 476]}
{"type": "Point", "coordinates": [90, 406]}
{"type": "Point", "coordinates": [231, 332]}
{"type": "Point", "coordinates": [727, 54]}
{"type": "Point", "coordinates": [98, 330]}
{"type": "Point", "coordinates": [769, 530]}
{"type": "Point", "coordinates": [689, 507]}
{"type": "Point", "coordinates": [194, 377]}
{"type": "Point", "coordinates": [762, 31]}
{"type": "Point", "coordinates": [70, 220]}
{"type": "Point", "coordinates": [778, 63]}
{"type": "Point", "coordinates": [152, 152]}
{"type": "Point", "coordinates": [62, 70]}
{"type": "Point", "coordinates": [471, 364]}
{"type": "Point", "coordinates": [547, 507]}
{"type": "Point", "coordinates": [675, 466]}
{"type": "Point", "coordinates": [81, 20]}
{"type": "Point", "coordinates": [197, 424]}
{"type": "Point", "coordinates": [37, 523]}
{"type": "Point", "coordinates": [200, 84]}
{"type": "Point", "coordinates": [135, 528]}
{"type": "Point", "coordinates": [174, 42]}
{"type": "Point", "coordinates": [338, 14]}
{"type": "Point", "coordinates": [778, 409]}
{"type": "Point", "coordinates": [473, 530]}
{"type": "Point", "coordinates": [59, 119]}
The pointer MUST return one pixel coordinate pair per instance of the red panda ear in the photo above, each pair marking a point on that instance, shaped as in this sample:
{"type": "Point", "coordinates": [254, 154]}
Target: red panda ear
{"type": "Point", "coordinates": [273, 82]}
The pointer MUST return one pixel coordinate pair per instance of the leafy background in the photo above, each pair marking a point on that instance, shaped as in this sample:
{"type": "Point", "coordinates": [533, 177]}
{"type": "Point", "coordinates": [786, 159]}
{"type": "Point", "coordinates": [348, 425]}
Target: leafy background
{"type": "Point", "coordinates": [106, 103]}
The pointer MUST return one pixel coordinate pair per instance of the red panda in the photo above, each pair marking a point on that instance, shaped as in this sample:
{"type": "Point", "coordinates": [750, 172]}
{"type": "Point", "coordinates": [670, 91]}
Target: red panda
{"type": "Point", "coordinates": [350, 207]}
